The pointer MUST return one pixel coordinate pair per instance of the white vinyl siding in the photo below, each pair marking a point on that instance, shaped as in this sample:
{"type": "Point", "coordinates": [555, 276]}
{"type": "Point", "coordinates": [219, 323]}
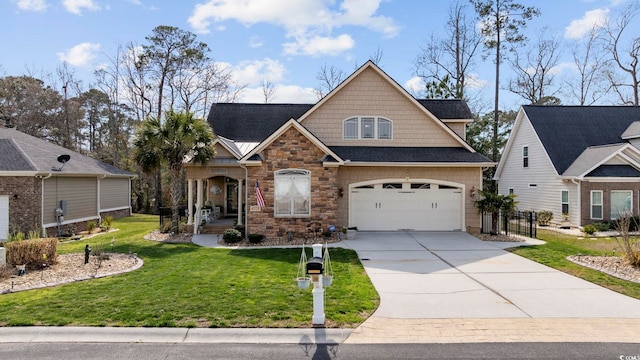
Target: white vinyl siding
{"type": "Point", "coordinates": [621, 201]}
{"type": "Point", "coordinates": [596, 204]}
{"type": "Point", "coordinates": [545, 195]}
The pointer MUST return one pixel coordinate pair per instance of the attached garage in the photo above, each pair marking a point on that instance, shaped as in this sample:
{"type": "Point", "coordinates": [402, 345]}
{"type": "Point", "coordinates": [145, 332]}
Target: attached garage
{"type": "Point", "coordinates": [400, 205]}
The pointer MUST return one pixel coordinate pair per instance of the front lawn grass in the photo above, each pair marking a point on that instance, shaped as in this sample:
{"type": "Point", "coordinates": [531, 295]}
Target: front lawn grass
{"type": "Point", "coordinates": [184, 285]}
{"type": "Point", "coordinates": [559, 246]}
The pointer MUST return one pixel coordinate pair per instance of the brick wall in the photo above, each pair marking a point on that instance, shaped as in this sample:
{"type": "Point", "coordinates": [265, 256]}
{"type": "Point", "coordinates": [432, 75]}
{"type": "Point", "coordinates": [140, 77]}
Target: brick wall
{"type": "Point", "coordinates": [24, 202]}
{"type": "Point", "coordinates": [292, 151]}
{"type": "Point", "coordinates": [585, 198]}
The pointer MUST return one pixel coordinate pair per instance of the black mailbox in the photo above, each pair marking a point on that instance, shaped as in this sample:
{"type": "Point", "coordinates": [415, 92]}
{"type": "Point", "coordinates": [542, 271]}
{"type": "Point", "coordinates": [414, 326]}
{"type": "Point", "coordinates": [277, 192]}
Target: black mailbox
{"type": "Point", "coordinates": [314, 266]}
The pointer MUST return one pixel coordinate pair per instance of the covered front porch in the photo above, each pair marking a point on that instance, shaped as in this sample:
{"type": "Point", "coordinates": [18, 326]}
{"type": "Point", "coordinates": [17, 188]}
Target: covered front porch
{"type": "Point", "coordinates": [215, 193]}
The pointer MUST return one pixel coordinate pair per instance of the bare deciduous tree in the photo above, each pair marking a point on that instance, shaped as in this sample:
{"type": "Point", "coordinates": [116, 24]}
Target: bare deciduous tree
{"type": "Point", "coordinates": [445, 62]}
{"type": "Point", "coordinates": [589, 61]}
{"type": "Point", "coordinates": [268, 90]}
{"type": "Point", "coordinates": [533, 70]}
{"type": "Point", "coordinates": [329, 77]}
{"type": "Point", "coordinates": [624, 49]}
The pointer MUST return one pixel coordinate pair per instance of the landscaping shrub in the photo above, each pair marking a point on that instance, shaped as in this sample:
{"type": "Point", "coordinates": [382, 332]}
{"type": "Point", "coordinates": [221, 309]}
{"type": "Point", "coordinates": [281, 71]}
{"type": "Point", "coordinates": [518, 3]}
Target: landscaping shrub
{"type": "Point", "coordinates": [91, 225]}
{"type": "Point", "coordinates": [544, 217]}
{"type": "Point", "coordinates": [632, 223]}
{"type": "Point", "coordinates": [107, 222]}
{"type": "Point", "coordinates": [589, 229]}
{"type": "Point", "coordinates": [15, 236]}
{"type": "Point", "coordinates": [231, 236]}
{"type": "Point", "coordinates": [241, 229]}
{"type": "Point", "coordinates": [32, 253]}
{"type": "Point", "coordinates": [255, 238]}
{"type": "Point", "coordinates": [601, 226]}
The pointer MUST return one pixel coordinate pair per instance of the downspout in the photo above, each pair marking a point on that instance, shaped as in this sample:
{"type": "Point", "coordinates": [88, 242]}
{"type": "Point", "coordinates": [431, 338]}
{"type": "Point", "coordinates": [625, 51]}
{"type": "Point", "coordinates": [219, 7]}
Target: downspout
{"type": "Point", "coordinates": [99, 202]}
{"type": "Point", "coordinates": [246, 201]}
{"type": "Point", "coordinates": [42, 179]}
{"type": "Point", "coordinates": [579, 197]}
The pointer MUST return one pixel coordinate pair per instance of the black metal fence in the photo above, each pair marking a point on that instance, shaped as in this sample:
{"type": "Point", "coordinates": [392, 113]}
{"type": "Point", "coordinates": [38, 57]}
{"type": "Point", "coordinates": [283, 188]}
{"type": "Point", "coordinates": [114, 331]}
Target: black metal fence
{"type": "Point", "coordinates": [165, 215]}
{"type": "Point", "coordinates": [517, 223]}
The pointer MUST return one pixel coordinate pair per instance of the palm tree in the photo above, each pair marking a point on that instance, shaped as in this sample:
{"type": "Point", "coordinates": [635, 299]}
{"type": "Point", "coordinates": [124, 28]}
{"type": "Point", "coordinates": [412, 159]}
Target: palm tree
{"type": "Point", "coordinates": [180, 138]}
{"type": "Point", "coordinates": [495, 203]}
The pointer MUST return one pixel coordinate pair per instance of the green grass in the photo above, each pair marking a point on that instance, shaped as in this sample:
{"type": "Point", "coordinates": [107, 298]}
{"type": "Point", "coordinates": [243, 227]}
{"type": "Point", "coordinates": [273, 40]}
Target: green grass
{"type": "Point", "coordinates": [558, 246]}
{"type": "Point", "coordinates": [189, 286]}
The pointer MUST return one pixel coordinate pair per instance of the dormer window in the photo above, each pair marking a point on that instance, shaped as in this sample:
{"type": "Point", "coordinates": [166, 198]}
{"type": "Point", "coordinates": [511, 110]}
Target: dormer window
{"type": "Point", "coordinates": [367, 127]}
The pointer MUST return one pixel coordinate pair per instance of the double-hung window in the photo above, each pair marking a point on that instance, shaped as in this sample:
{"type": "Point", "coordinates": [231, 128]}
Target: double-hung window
{"type": "Point", "coordinates": [292, 193]}
{"type": "Point", "coordinates": [596, 204]}
{"type": "Point", "coordinates": [565, 201]}
{"type": "Point", "coordinates": [525, 156]}
{"type": "Point", "coordinates": [367, 127]}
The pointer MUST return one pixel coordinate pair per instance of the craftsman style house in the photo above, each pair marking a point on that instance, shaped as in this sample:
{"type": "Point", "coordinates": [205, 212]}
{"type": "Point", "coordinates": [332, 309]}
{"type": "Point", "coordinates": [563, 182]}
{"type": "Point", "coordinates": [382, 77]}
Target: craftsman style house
{"type": "Point", "coordinates": [367, 155]}
{"type": "Point", "coordinates": [45, 187]}
{"type": "Point", "coordinates": [581, 161]}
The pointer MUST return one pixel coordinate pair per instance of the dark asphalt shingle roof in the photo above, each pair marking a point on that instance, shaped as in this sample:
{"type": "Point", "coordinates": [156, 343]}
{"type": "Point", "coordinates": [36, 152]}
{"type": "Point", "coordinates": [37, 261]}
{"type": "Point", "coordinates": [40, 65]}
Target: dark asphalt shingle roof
{"type": "Point", "coordinates": [566, 131]}
{"type": "Point", "coordinates": [614, 171]}
{"type": "Point", "coordinates": [255, 122]}
{"type": "Point", "coordinates": [33, 154]}
{"type": "Point", "coordinates": [408, 154]}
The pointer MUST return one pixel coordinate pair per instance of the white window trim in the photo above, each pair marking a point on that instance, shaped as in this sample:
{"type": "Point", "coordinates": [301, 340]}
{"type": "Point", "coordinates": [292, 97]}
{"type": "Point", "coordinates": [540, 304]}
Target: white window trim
{"type": "Point", "coordinates": [562, 202]}
{"type": "Point", "coordinates": [525, 157]}
{"type": "Point", "coordinates": [591, 205]}
{"type": "Point", "coordinates": [376, 127]}
{"type": "Point", "coordinates": [292, 174]}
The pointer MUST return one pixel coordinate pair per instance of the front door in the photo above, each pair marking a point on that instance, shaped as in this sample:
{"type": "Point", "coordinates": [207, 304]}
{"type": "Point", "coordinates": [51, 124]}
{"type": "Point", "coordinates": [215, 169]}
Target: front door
{"type": "Point", "coordinates": [232, 198]}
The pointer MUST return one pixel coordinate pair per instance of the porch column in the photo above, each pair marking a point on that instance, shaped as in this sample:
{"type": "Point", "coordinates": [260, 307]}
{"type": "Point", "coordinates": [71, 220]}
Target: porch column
{"type": "Point", "coordinates": [199, 197]}
{"type": "Point", "coordinates": [190, 201]}
{"type": "Point", "coordinates": [240, 186]}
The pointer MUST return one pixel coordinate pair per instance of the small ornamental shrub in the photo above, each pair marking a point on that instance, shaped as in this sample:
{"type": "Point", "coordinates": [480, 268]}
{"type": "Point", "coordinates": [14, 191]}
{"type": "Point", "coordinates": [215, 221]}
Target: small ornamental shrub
{"type": "Point", "coordinates": [32, 253]}
{"type": "Point", "coordinates": [589, 229]}
{"type": "Point", "coordinates": [107, 222]}
{"type": "Point", "coordinates": [544, 217]}
{"type": "Point", "coordinates": [231, 236]}
{"type": "Point", "coordinates": [255, 238]}
{"type": "Point", "coordinates": [602, 226]}
{"type": "Point", "coordinates": [91, 225]}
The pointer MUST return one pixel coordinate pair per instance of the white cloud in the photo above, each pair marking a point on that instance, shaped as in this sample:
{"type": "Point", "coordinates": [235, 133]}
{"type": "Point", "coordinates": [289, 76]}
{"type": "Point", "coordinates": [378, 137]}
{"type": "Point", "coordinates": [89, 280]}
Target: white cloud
{"type": "Point", "coordinates": [31, 5]}
{"type": "Point", "coordinates": [254, 72]}
{"type": "Point", "coordinates": [255, 42]}
{"type": "Point", "coordinates": [318, 45]}
{"type": "Point", "coordinates": [415, 85]}
{"type": "Point", "coordinates": [290, 94]}
{"type": "Point", "coordinates": [81, 54]}
{"type": "Point", "coordinates": [581, 27]}
{"type": "Point", "coordinates": [76, 6]}
{"type": "Point", "coordinates": [311, 27]}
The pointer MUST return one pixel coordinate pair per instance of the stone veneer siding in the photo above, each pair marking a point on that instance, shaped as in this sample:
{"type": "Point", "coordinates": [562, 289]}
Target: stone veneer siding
{"type": "Point", "coordinates": [585, 198]}
{"type": "Point", "coordinates": [24, 209]}
{"type": "Point", "coordinates": [292, 151]}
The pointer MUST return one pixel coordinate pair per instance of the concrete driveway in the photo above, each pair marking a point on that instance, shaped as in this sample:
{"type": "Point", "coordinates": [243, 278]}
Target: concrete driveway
{"type": "Point", "coordinates": [438, 275]}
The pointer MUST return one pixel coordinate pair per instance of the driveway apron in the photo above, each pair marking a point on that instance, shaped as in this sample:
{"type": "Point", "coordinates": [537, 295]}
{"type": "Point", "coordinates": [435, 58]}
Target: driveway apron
{"type": "Point", "coordinates": [438, 275]}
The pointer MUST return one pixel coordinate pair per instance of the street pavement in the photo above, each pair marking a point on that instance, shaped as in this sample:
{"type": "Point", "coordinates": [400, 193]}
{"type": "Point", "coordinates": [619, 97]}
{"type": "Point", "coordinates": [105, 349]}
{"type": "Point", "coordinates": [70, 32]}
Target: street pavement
{"type": "Point", "coordinates": [435, 287]}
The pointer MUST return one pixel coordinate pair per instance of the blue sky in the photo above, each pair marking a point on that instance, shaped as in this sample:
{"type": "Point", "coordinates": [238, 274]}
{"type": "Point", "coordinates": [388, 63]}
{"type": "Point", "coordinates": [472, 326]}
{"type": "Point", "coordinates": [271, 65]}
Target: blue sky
{"type": "Point", "coordinates": [285, 42]}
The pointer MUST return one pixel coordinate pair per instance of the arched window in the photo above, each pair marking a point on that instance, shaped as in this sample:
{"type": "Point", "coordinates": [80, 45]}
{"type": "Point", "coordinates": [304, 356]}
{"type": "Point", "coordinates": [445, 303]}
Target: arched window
{"type": "Point", "coordinates": [367, 127]}
{"type": "Point", "coordinates": [292, 193]}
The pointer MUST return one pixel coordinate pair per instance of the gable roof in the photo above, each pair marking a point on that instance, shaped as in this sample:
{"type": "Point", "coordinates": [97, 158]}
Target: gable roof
{"type": "Point", "coordinates": [567, 131]}
{"type": "Point", "coordinates": [253, 155]}
{"type": "Point", "coordinates": [31, 155]}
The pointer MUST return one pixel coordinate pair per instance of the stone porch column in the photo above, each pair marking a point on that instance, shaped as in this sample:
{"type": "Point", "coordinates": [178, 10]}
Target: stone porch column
{"type": "Point", "coordinates": [190, 201]}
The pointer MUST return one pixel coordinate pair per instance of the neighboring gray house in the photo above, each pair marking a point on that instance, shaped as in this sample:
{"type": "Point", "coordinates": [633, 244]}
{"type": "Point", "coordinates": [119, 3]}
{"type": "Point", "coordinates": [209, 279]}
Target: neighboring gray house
{"type": "Point", "coordinates": [580, 160]}
{"type": "Point", "coordinates": [33, 184]}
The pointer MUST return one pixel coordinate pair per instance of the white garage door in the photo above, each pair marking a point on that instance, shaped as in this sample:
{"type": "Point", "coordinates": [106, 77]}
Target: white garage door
{"type": "Point", "coordinates": [406, 206]}
{"type": "Point", "coordinates": [4, 217]}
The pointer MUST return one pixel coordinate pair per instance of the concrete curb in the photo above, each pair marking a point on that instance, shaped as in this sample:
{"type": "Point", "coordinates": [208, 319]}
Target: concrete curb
{"type": "Point", "coordinates": [75, 334]}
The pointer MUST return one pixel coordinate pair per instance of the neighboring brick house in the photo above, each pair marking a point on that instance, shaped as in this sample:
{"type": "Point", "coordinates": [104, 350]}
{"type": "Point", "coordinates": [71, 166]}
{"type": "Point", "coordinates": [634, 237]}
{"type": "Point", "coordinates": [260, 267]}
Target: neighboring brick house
{"type": "Point", "coordinates": [33, 184]}
{"type": "Point", "coordinates": [367, 155]}
{"type": "Point", "coordinates": [582, 161]}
